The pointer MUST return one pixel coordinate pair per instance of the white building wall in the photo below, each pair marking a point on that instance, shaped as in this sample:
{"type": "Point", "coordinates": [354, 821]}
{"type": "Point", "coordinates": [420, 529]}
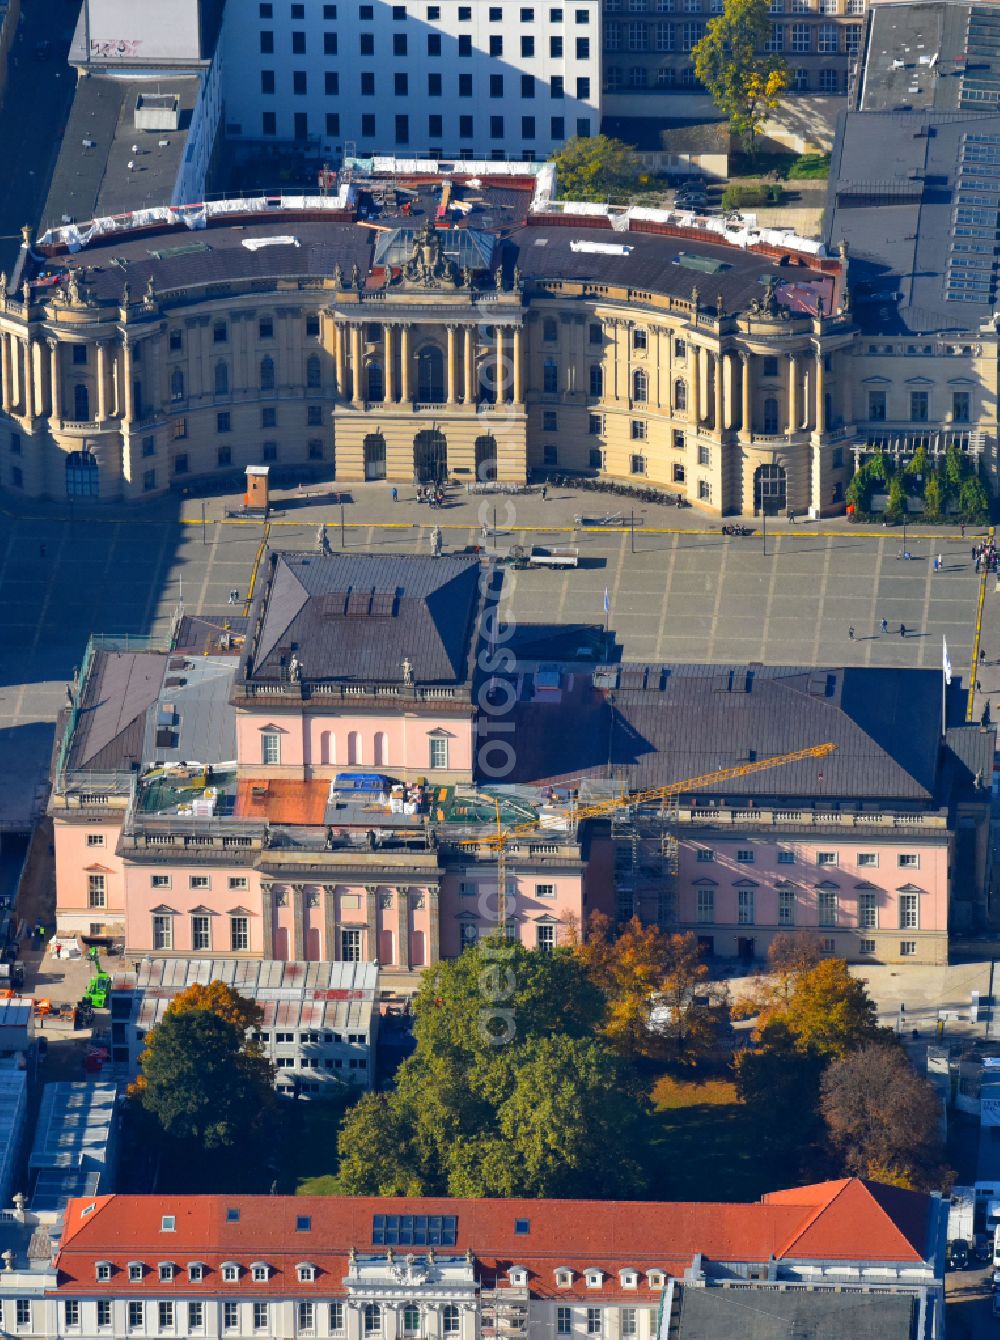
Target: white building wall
{"type": "Point", "coordinates": [202, 134]}
{"type": "Point", "coordinates": [365, 75]}
{"type": "Point", "coordinates": [130, 30]}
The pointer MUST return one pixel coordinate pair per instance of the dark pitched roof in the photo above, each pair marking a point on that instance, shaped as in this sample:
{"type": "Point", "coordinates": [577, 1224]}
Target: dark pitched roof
{"type": "Point", "coordinates": [120, 688]}
{"type": "Point", "coordinates": [358, 617]}
{"type": "Point", "coordinates": [649, 726]}
{"type": "Point", "coordinates": [753, 1314]}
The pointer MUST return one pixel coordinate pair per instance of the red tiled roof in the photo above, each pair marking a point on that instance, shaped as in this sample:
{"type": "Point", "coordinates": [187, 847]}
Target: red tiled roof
{"type": "Point", "coordinates": [833, 1220]}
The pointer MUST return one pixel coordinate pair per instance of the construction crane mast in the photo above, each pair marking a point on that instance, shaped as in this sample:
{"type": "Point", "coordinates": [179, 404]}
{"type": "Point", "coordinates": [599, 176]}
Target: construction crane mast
{"type": "Point", "coordinates": [576, 814]}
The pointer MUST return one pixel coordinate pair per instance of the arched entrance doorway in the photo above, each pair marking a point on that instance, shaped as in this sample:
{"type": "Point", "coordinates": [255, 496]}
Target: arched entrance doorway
{"type": "Point", "coordinates": [374, 456]}
{"type": "Point", "coordinates": [430, 375]}
{"type": "Point", "coordinates": [430, 456]}
{"type": "Point", "coordinates": [486, 457]}
{"type": "Point", "coordinates": [769, 490]}
{"type": "Point", "coordinates": [83, 478]}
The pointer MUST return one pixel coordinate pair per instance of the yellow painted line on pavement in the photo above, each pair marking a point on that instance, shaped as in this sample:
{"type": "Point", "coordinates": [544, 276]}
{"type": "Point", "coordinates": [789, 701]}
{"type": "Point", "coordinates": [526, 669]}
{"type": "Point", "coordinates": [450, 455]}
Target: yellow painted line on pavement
{"type": "Point", "coordinates": [971, 705]}
{"type": "Point", "coordinates": [256, 564]}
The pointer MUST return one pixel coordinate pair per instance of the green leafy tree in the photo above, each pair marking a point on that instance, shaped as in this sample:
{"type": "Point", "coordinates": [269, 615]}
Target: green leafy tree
{"type": "Point", "coordinates": [954, 468]}
{"type": "Point", "coordinates": [731, 60]}
{"type": "Point", "coordinates": [895, 508]}
{"type": "Point", "coordinates": [201, 1082]}
{"type": "Point", "coordinates": [779, 1075]}
{"type": "Point", "coordinates": [973, 500]}
{"type": "Point", "coordinates": [503, 1035]}
{"type": "Point", "coordinates": [596, 167]}
{"type": "Point", "coordinates": [933, 497]}
{"type": "Point", "coordinates": [819, 1005]}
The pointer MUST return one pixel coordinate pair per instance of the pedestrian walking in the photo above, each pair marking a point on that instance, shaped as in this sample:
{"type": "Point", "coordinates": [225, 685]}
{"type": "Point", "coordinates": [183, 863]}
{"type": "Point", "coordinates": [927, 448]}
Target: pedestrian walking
{"type": "Point", "coordinates": [902, 630]}
{"type": "Point", "coordinates": [791, 516]}
{"type": "Point", "coordinates": [545, 492]}
{"type": "Point", "coordinates": [963, 530]}
{"type": "Point", "coordinates": [982, 655]}
{"type": "Point", "coordinates": [940, 563]}
{"type": "Point", "coordinates": [850, 632]}
{"type": "Point", "coordinates": [485, 531]}
{"type": "Point", "coordinates": [395, 494]}
{"type": "Point", "coordinates": [885, 625]}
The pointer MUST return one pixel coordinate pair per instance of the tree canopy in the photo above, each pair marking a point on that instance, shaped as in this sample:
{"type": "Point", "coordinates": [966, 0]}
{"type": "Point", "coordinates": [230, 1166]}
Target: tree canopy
{"type": "Point", "coordinates": [596, 167]}
{"type": "Point", "coordinates": [508, 1093]}
{"type": "Point", "coordinates": [820, 1005]}
{"type": "Point", "coordinates": [731, 61]}
{"type": "Point", "coordinates": [221, 1000]}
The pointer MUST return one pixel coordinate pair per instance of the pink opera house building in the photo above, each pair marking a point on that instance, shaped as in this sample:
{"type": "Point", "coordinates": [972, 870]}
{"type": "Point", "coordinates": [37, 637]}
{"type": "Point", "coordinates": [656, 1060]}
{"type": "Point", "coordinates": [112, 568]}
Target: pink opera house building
{"type": "Point", "coordinates": [315, 783]}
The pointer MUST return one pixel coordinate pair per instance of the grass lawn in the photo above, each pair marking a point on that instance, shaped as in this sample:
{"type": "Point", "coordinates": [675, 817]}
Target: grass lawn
{"type": "Point", "coordinates": [706, 1147]}
{"type": "Point", "coordinates": [788, 166]}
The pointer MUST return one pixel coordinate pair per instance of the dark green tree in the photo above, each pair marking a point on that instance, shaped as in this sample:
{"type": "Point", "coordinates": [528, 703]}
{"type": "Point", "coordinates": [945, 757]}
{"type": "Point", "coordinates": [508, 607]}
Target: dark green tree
{"type": "Point", "coordinates": [596, 167]}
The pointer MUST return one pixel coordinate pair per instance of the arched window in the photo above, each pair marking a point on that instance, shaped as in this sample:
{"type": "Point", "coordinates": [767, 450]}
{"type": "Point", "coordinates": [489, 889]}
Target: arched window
{"type": "Point", "coordinates": [326, 747]}
{"type": "Point", "coordinates": [353, 747]}
{"type": "Point", "coordinates": [267, 374]}
{"type": "Point", "coordinates": [450, 1324]}
{"type": "Point", "coordinates": [82, 476]}
{"type": "Point", "coordinates": [640, 386]}
{"type": "Point", "coordinates": [81, 403]}
{"type": "Point", "coordinates": [680, 394]}
{"type": "Point", "coordinates": [222, 379]}
{"type": "Point", "coordinates": [381, 750]}
{"type": "Point", "coordinates": [373, 1319]}
{"type": "Point", "coordinates": [430, 375]}
{"type": "Point", "coordinates": [313, 372]}
{"type": "Point", "coordinates": [550, 377]}
{"type": "Point", "coordinates": [177, 384]}
{"type": "Point", "coordinates": [376, 382]}
{"type": "Point", "coordinates": [596, 380]}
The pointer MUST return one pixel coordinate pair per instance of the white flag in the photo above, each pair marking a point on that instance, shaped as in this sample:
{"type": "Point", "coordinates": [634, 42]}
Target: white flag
{"type": "Point", "coordinates": [945, 660]}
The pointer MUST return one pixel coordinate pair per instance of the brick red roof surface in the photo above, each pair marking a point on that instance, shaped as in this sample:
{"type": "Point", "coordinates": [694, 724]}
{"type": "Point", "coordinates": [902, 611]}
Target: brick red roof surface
{"type": "Point", "coordinates": [845, 1220]}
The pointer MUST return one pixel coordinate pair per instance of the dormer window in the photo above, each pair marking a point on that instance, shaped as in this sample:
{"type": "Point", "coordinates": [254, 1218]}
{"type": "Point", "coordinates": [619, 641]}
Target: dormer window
{"type": "Point", "coordinates": [306, 1272]}
{"type": "Point", "coordinates": [261, 1272]}
{"type": "Point", "coordinates": [196, 1272]}
{"type": "Point", "coordinates": [518, 1277]}
{"type": "Point", "coordinates": [230, 1272]}
{"type": "Point", "coordinates": [594, 1278]}
{"type": "Point", "coordinates": [136, 1271]}
{"type": "Point", "coordinates": [167, 1223]}
{"type": "Point", "coordinates": [167, 1270]}
{"type": "Point", "coordinates": [103, 1269]}
{"type": "Point", "coordinates": [629, 1279]}
{"type": "Point", "coordinates": [655, 1278]}
{"type": "Point", "coordinates": [564, 1277]}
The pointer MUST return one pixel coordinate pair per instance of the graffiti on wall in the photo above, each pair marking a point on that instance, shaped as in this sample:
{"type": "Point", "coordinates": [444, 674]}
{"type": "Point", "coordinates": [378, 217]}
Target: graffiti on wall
{"type": "Point", "coordinates": [115, 48]}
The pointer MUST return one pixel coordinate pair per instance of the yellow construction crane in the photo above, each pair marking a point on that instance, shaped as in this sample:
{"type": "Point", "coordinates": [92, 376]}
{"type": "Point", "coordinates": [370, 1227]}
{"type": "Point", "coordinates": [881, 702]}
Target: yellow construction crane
{"type": "Point", "coordinates": [628, 799]}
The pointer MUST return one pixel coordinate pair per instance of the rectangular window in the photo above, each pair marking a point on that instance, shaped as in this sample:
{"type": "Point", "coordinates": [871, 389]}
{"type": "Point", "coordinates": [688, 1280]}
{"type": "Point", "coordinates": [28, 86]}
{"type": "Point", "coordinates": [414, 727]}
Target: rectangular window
{"type": "Point", "coordinates": [827, 858]}
{"type": "Point", "coordinates": [199, 881]}
{"type": "Point", "coordinates": [165, 1316]}
{"type": "Point", "coordinates": [260, 1317]}
{"type": "Point", "coordinates": [223, 422]}
{"type": "Point", "coordinates": [527, 47]}
{"type": "Point", "coordinates": [637, 429]}
{"type": "Point", "coordinates": [706, 906]}
{"type": "Point", "coordinates": [919, 406]}
{"type": "Point", "coordinates": [745, 907]}
{"type": "Point", "coordinates": [907, 948]}
{"type": "Point", "coordinates": [201, 933]}
{"type": "Point", "coordinates": [593, 1321]}
{"type": "Point", "coordinates": [629, 1319]}
{"type": "Point", "coordinates": [336, 1318]}
{"type": "Point", "coordinates": [71, 1311]}
{"type": "Point", "coordinates": [239, 934]}
{"type": "Point", "coordinates": [270, 748]}
{"type": "Point", "coordinates": [909, 912]}
{"type": "Point", "coordinates": [745, 856]}
{"type": "Point", "coordinates": [438, 753]}
{"type": "Point", "coordinates": [908, 860]}
{"type": "Point", "coordinates": [827, 902]}
{"type": "Point", "coordinates": [868, 858]}
{"type": "Point", "coordinates": [159, 882]}
{"type": "Point", "coordinates": [801, 37]}
{"type": "Point", "coordinates": [545, 938]}
{"type": "Point", "coordinates": [230, 1316]}
{"type": "Point", "coordinates": [867, 947]}
{"type": "Point", "coordinates": [564, 1321]}
{"type": "Point", "coordinates": [238, 882]}
{"type": "Point", "coordinates": [134, 1316]}
{"type": "Point", "coordinates": [545, 890]}
{"type": "Point", "coordinates": [867, 912]}
{"type": "Point", "coordinates": [961, 406]}
{"type": "Point", "coordinates": [786, 858]}
{"type": "Point", "coordinates": [786, 907]}
{"type": "Point", "coordinates": [103, 1312]}
{"type": "Point", "coordinates": [827, 41]}
{"type": "Point", "coordinates": [876, 406]}
{"type": "Point", "coordinates": [96, 893]}
{"type": "Point", "coordinates": [163, 932]}
{"type": "Point", "coordinates": [637, 464]}
{"type": "Point", "coordinates": [350, 946]}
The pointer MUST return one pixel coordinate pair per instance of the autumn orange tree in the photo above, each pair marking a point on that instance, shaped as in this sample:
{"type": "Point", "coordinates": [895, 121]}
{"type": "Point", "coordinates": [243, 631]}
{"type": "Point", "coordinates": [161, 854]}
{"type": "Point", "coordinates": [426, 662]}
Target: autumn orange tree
{"type": "Point", "coordinates": [652, 984]}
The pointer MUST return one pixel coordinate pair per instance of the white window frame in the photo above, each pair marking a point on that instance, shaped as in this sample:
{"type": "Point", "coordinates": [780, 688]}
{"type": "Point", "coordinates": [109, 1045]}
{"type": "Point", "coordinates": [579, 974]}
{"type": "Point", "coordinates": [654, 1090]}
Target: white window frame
{"type": "Point", "coordinates": [437, 752]}
{"type": "Point", "coordinates": [97, 891]}
{"type": "Point", "coordinates": [163, 931]}
{"type": "Point", "coordinates": [270, 749]}
{"type": "Point", "coordinates": [908, 860]}
{"type": "Point", "coordinates": [95, 839]}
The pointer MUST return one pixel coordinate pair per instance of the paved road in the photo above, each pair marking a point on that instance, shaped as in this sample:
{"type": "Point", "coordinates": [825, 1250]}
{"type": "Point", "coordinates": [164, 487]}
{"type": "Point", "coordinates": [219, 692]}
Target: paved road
{"type": "Point", "coordinates": [686, 592]}
{"type": "Point", "coordinates": [33, 116]}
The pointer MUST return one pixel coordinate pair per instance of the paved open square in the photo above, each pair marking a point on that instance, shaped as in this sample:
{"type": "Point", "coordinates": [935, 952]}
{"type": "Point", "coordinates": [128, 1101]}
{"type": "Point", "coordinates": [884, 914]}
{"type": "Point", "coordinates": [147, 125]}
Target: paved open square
{"type": "Point", "coordinates": [677, 588]}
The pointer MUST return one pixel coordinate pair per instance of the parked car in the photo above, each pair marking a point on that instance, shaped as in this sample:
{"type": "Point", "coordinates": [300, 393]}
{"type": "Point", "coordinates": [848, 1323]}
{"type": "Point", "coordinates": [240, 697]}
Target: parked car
{"type": "Point", "coordinates": [958, 1254]}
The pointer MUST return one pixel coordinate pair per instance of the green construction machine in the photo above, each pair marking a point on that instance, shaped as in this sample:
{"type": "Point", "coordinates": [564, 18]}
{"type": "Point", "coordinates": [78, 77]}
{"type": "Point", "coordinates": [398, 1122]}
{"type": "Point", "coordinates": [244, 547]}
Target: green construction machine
{"type": "Point", "coordinates": [99, 986]}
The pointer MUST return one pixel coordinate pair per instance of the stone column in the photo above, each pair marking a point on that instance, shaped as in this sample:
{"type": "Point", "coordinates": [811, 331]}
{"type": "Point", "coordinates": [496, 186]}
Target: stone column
{"type": "Point", "coordinates": [403, 912]}
{"type": "Point", "coordinates": [518, 365]}
{"type": "Point", "coordinates": [746, 426]}
{"type": "Point", "coordinates": [371, 916]}
{"type": "Point", "coordinates": [820, 415]}
{"type": "Point", "coordinates": [298, 892]}
{"type": "Point", "coordinates": [331, 923]}
{"type": "Point", "coordinates": [356, 364]}
{"type": "Point", "coordinates": [28, 379]}
{"type": "Point", "coordinates": [404, 364]}
{"type": "Point", "coordinates": [498, 386]}
{"type": "Point", "coordinates": [452, 391]}
{"type": "Point", "coordinates": [128, 398]}
{"type": "Point", "coordinates": [696, 385]}
{"type": "Point", "coordinates": [434, 934]}
{"type": "Point", "coordinates": [102, 382]}
{"type": "Point", "coordinates": [8, 397]}
{"type": "Point", "coordinates": [847, 391]}
{"type": "Point", "coordinates": [54, 380]}
{"type": "Point", "coordinates": [340, 351]}
{"type": "Point", "coordinates": [388, 345]}
{"type": "Point", "coordinates": [38, 374]}
{"type": "Point", "coordinates": [717, 389]}
{"type": "Point", "coordinates": [728, 388]}
{"type": "Point", "coordinates": [267, 917]}
{"type": "Point", "coordinates": [469, 365]}
{"type": "Point", "coordinates": [793, 394]}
